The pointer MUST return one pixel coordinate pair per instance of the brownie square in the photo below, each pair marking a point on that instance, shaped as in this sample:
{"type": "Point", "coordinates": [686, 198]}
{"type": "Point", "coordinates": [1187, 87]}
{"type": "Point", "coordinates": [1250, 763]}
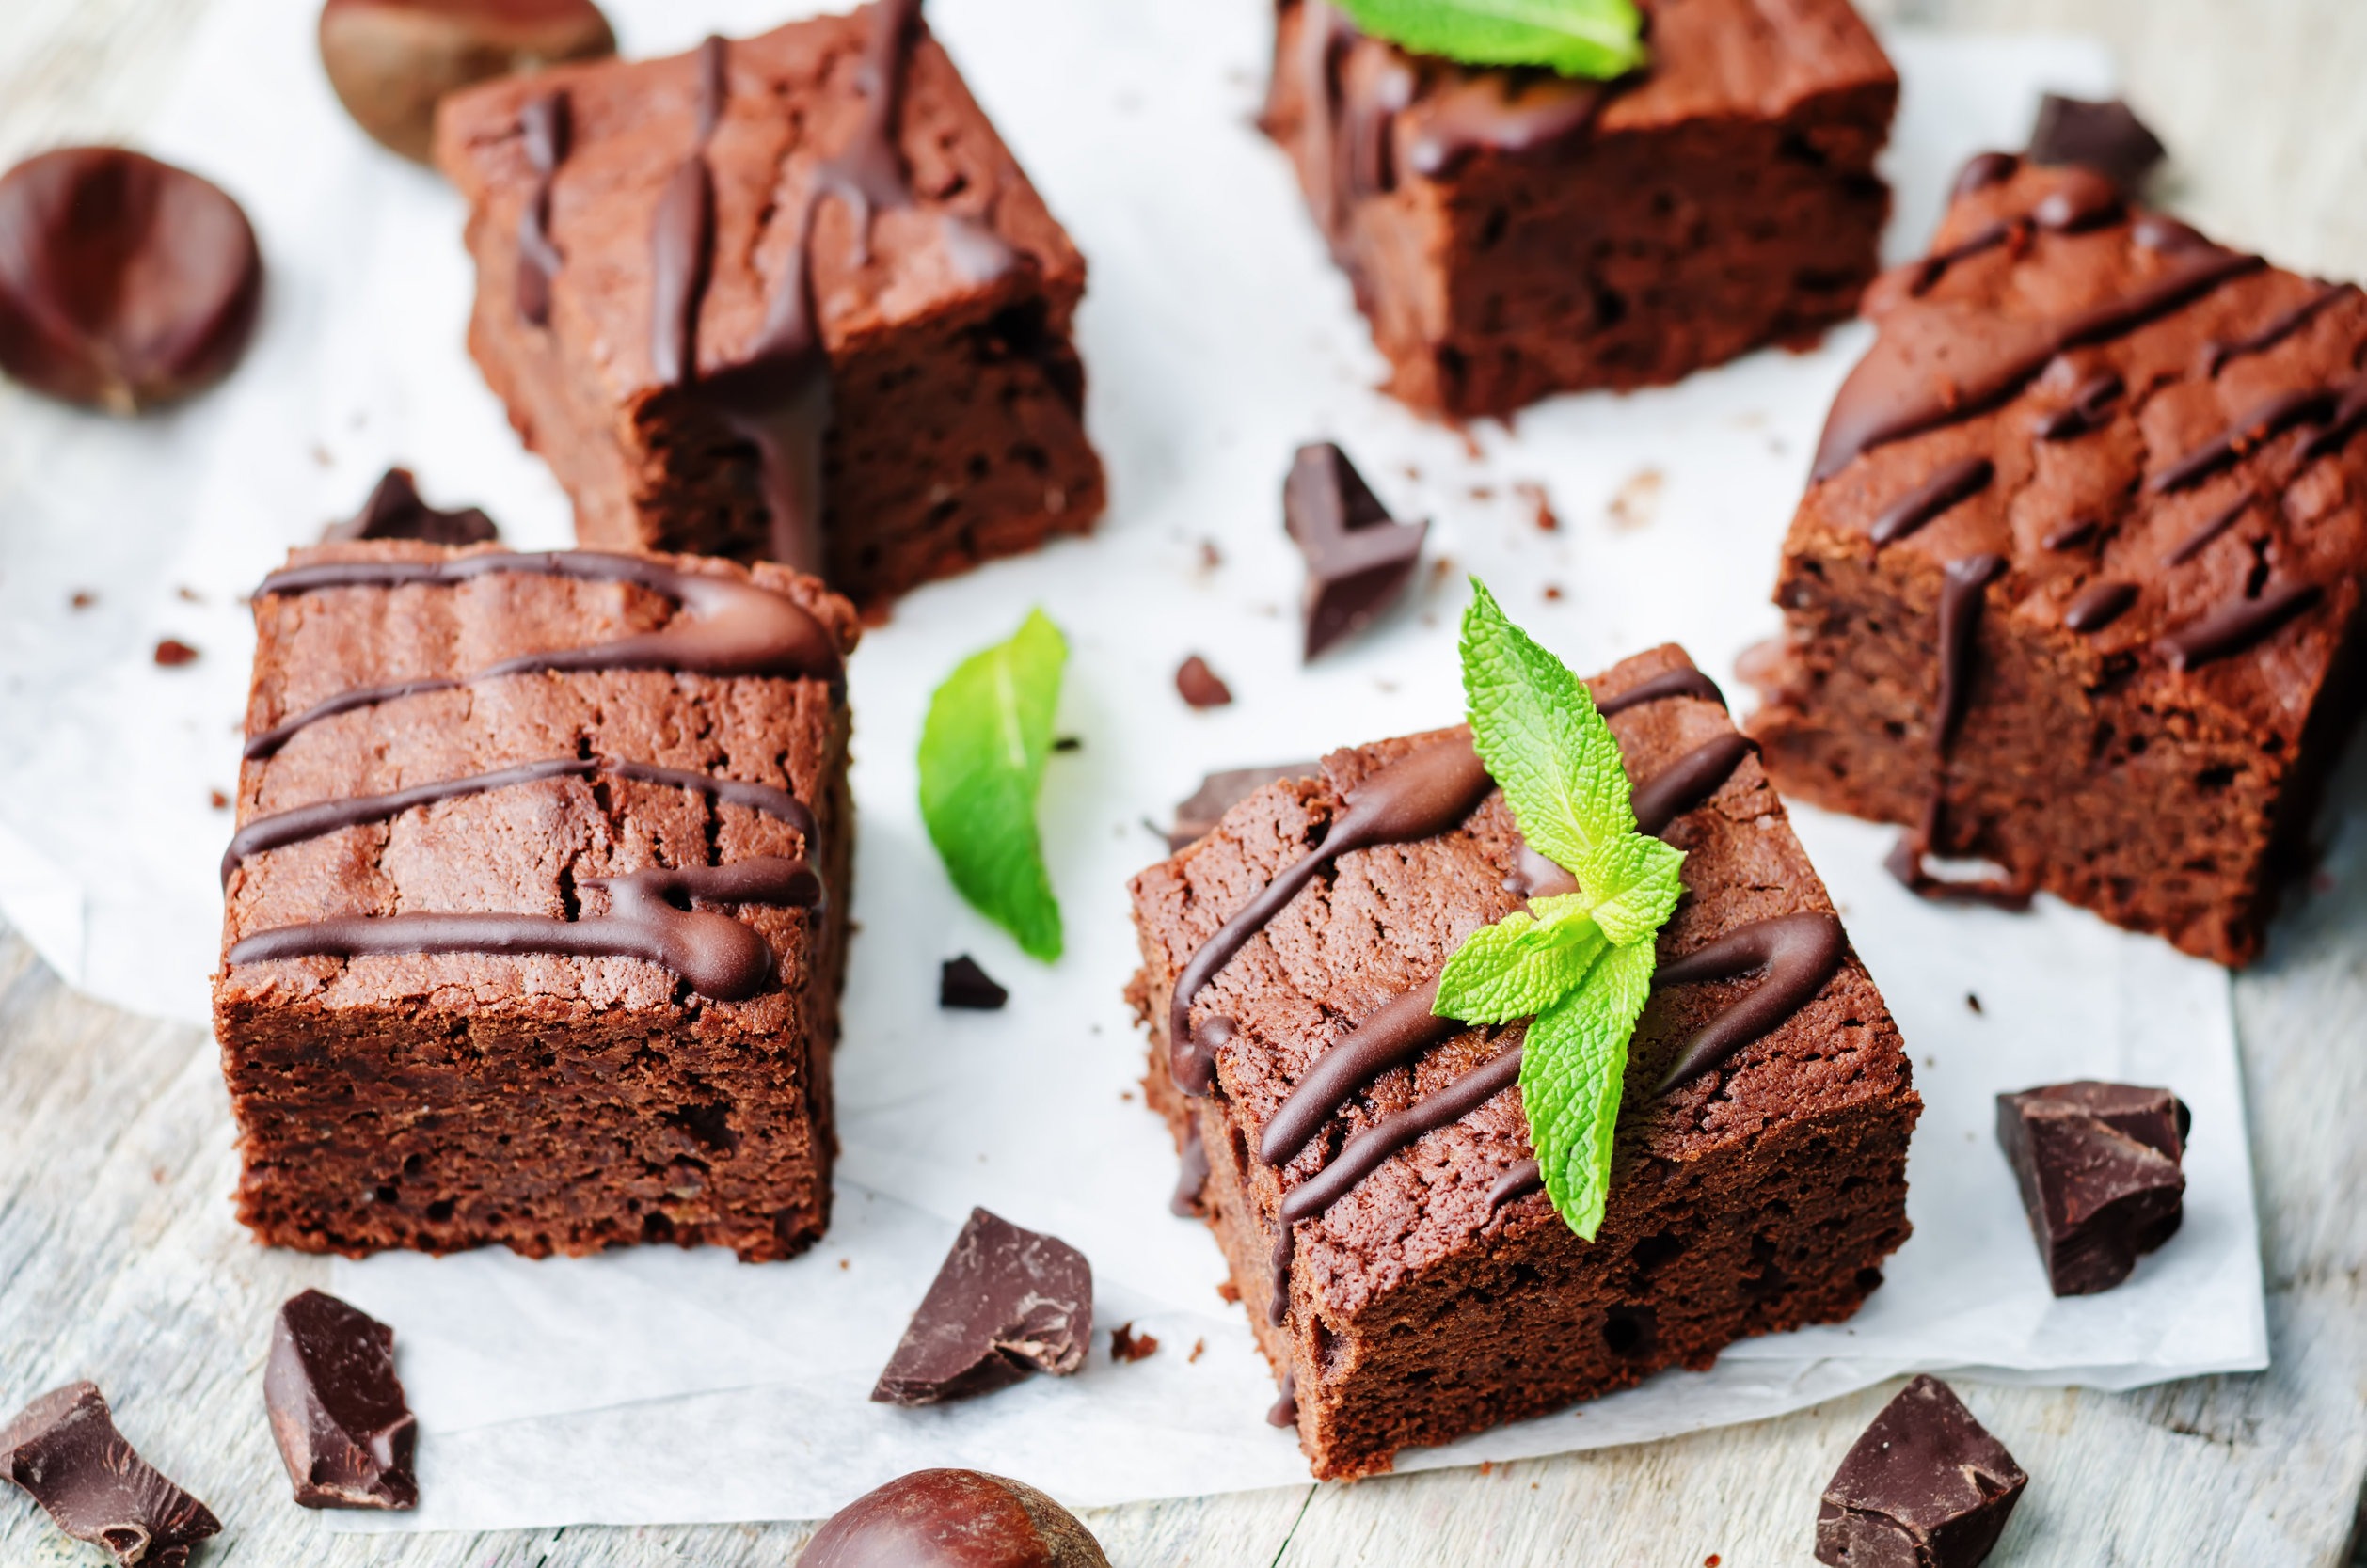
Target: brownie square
{"type": "Point", "coordinates": [1511, 234]}
{"type": "Point", "coordinates": [948, 416]}
{"type": "Point", "coordinates": [2075, 586]}
{"type": "Point", "coordinates": [535, 920]}
{"type": "Point", "coordinates": [1443, 1294]}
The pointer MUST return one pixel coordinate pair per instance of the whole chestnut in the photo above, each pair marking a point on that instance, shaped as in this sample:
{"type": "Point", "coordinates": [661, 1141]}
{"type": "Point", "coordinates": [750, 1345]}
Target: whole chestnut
{"type": "Point", "coordinates": [124, 283]}
{"type": "Point", "coordinates": [392, 60]}
{"type": "Point", "coordinates": [953, 1519]}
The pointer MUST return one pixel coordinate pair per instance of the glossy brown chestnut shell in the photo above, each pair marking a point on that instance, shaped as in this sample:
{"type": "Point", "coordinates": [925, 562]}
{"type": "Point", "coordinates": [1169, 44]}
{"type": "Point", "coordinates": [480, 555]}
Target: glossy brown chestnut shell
{"type": "Point", "coordinates": [392, 60]}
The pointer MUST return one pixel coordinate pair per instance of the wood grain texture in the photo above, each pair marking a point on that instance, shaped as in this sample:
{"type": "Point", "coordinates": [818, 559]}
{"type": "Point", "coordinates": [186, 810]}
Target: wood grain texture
{"type": "Point", "coordinates": [120, 1259]}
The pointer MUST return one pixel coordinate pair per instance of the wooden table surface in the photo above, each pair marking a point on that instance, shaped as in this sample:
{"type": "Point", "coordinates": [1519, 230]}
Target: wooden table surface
{"type": "Point", "coordinates": [120, 1259]}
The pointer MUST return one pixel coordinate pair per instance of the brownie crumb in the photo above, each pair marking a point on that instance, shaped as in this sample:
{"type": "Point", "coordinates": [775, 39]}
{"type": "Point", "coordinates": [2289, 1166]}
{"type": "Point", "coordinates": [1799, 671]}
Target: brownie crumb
{"type": "Point", "coordinates": [1200, 686]}
{"type": "Point", "coordinates": [1126, 1345]}
{"type": "Point", "coordinates": [82, 599]}
{"type": "Point", "coordinates": [1541, 504]}
{"type": "Point", "coordinates": [172, 652]}
{"type": "Point", "coordinates": [1231, 1291]}
{"type": "Point", "coordinates": [217, 799]}
{"type": "Point", "coordinates": [1972, 1001]}
{"type": "Point", "coordinates": [1199, 1348]}
{"type": "Point", "coordinates": [1638, 500]}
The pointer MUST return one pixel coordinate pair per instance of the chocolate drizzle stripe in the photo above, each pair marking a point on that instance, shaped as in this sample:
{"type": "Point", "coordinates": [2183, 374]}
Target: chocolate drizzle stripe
{"type": "Point", "coordinates": [682, 234]}
{"type": "Point", "coordinates": [1395, 1034]}
{"type": "Point", "coordinates": [2349, 415]}
{"type": "Point", "coordinates": [718, 955]}
{"type": "Point", "coordinates": [1363, 1154]}
{"type": "Point", "coordinates": [1191, 1173]}
{"type": "Point", "coordinates": [1954, 482]}
{"type": "Point", "coordinates": [1278, 1299]}
{"type": "Point", "coordinates": [1962, 594]}
{"type": "Point", "coordinates": [1521, 1180]}
{"type": "Point", "coordinates": [2264, 423]}
{"type": "Point", "coordinates": [1683, 681]}
{"type": "Point", "coordinates": [1284, 1412]}
{"type": "Point", "coordinates": [1689, 781]}
{"type": "Point", "coordinates": [2084, 200]}
{"type": "Point", "coordinates": [1800, 952]}
{"type": "Point", "coordinates": [2218, 523]}
{"type": "Point", "coordinates": [1495, 111]}
{"type": "Point", "coordinates": [327, 816]}
{"type": "Point", "coordinates": [726, 626]}
{"type": "Point", "coordinates": [545, 125]}
{"type": "Point", "coordinates": [2099, 606]}
{"type": "Point", "coordinates": [2090, 404]}
{"type": "Point", "coordinates": [2235, 627]}
{"type": "Point", "coordinates": [1418, 796]}
{"type": "Point", "coordinates": [2276, 330]}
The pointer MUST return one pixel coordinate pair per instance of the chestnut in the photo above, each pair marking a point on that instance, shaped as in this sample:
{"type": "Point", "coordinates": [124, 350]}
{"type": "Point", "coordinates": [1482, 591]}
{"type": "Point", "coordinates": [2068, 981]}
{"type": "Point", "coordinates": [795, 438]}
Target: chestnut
{"type": "Point", "coordinates": [124, 283]}
{"type": "Point", "coordinates": [390, 60]}
{"type": "Point", "coordinates": [953, 1519]}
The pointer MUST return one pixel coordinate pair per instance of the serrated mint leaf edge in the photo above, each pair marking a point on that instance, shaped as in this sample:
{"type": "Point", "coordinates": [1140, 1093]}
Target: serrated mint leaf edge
{"type": "Point", "coordinates": [1598, 40]}
{"type": "Point", "coordinates": [1573, 1068]}
{"type": "Point", "coordinates": [978, 788]}
{"type": "Point", "coordinates": [1526, 962]}
{"type": "Point", "coordinates": [1536, 726]}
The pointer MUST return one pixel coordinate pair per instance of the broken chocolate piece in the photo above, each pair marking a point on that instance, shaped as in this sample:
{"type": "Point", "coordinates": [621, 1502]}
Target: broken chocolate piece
{"type": "Point", "coordinates": [2106, 136]}
{"type": "Point", "coordinates": [396, 511]}
{"type": "Point", "coordinates": [337, 1409]}
{"type": "Point", "coordinates": [1200, 686]}
{"type": "Point", "coordinates": [1007, 1302]}
{"type": "Point", "coordinates": [1926, 1486]}
{"type": "Point", "coordinates": [962, 984]}
{"type": "Point", "coordinates": [1218, 793]}
{"type": "Point", "coordinates": [2099, 1167]}
{"type": "Point", "coordinates": [64, 1450]}
{"type": "Point", "coordinates": [953, 1519]}
{"type": "Point", "coordinates": [1358, 558]}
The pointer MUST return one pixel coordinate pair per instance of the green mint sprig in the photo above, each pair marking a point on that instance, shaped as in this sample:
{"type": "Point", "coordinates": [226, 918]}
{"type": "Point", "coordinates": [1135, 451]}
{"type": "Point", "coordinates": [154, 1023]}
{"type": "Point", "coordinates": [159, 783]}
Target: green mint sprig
{"type": "Point", "coordinates": [1577, 965]}
{"type": "Point", "coordinates": [982, 753]}
{"type": "Point", "coordinates": [1597, 39]}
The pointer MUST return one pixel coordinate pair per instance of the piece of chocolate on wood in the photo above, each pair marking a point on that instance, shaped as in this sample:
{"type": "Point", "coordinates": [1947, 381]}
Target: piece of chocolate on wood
{"type": "Point", "coordinates": [1358, 558]}
{"type": "Point", "coordinates": [1218, 793]}
{"type": "Point", "coordinates": [1924, 1486]}
{"type": "Point", "coordinates": [2106, 136]}
{"type": "Point", "coordinates": [953, 1519]}
{"type": "Point", "coordinates": [395, 509]}
{"type": "Point", "coordinates": [2099, 1168]}
{"type": "Point", "coordinates": [337, 1409]}
{"type": "Point", "coordinates": [64, 1450]}
{"type": "Point", "coordinates": [1007, 1302]}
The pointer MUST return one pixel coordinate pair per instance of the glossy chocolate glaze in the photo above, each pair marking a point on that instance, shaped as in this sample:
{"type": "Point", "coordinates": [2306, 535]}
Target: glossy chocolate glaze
{"type": "Point", "coordinates": [545, 126]}
{"type": "Point", "coordinates": [1800, 952]}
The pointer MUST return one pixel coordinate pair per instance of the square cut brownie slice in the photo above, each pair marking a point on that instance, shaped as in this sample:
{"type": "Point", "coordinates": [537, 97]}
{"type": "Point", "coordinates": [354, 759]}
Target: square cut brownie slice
{"type": "Point", "coordinates": [2075, 586]}
{"type": "Point", "coordinates": [1512, 233]}
{"type": "Point", "coordinates": [788, 297]}
{"type": "Point", "coordinates": [1368, 1168]}
{"type": "Point", "coordinates": [535, 915]}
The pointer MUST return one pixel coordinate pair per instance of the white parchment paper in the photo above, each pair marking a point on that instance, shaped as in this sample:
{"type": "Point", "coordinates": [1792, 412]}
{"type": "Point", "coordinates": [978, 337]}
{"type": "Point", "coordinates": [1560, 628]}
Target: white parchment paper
{"type": "Point", "coordinates": [657, 1384]}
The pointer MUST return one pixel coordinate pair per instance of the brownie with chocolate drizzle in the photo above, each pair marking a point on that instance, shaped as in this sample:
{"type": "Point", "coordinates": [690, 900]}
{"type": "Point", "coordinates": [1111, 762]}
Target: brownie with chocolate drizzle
{"type": "Point", "coordinates": [2075, 587]}
{"type": "Point", "coordinates": [535, 917]}
{"type": "Point", "coordinates": [785, 297]}
{"type": "Point", "coordinates": [1366, 1167]}
{"type": "Point", "coordinates": [1513, 233]}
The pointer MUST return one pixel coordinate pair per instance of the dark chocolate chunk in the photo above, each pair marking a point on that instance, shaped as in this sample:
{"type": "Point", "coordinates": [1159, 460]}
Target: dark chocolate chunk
{"type": "Point", "coordinates": [396, 511]}
{"type": "Point", "coordinates": [1926, 1486]}
{"type": "Point", "coordinates": [337, 1409]}
{"type": "Point", "coordinates": [2098, 1165]}
{"type": "Point", "coordinates": [64, 1450]}
{"type": "Point", "coordinates": [390, 61]}
{"type": "Point", "coordinates": [963, 984]}
{"type": "Point", "coordinates": [171, 652]}
{"type": "Point", "coordinates": [1200, 686]}
{"type": "Point", "coordinates": [1196, 816]}
{"type": "Point", "coordinates": [124, 283]}
{"type": "Point", "coordinates": [1358, 558]}
{"type": "Point", "coordinates": [2106, 136]}
{"type": "Point", "coordinates": [953, 1519]}
{"type": "Point", "coordinates": [1007, 1302]}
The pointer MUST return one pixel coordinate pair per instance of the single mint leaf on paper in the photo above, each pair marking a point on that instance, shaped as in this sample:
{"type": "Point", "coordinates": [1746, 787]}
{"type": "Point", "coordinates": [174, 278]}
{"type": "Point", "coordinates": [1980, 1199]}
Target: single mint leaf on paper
{"type": "Point", "coordinates": [1523, 962]}
{"type": "Point", "coordinates": [1571, 1070]}
{"type": "Point", "coordinates": [982, 753]}
{"type": "Point", "coordinates": [1537, 730]}
{"type": "Point", "coordinates": [1597, 39]}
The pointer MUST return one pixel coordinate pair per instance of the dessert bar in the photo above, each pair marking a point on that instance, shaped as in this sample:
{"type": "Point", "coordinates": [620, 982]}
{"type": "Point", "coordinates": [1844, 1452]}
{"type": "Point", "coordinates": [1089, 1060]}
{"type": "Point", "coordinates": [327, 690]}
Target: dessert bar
{"type": "Point", "coordinates": [788, 297]}
{"type": "Point", "coordinates": [1368, 1169]}
{"type": "Point", "coordinates": [536, 911]}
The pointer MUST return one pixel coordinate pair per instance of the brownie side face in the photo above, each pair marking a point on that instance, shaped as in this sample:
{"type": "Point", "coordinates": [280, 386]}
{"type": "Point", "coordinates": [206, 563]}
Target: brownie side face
{"type": "Point", "coordinates": [2166, 472]}
{"type": "Point", "coordinates": [956, 428]}
{"type": "Point", "coordinates": [1723, 200]}
{"type": "Point", "coordinates": [547, 1103]}
{"type": "Point", "coordinates": [1756, 1197]}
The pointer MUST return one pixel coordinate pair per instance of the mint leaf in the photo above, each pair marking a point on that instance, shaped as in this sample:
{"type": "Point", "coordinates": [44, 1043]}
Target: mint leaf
{"type": "Point", "coordinates": [1537, 730]}
{"type": "Point", "coordinates": [1599, 39]}
{"type": "Point", "coordinates": [1635, 884]}
{"type": "Point", "coordinates": [1522, 963]}
{"type": "Point", "coordinates": [1572, 1067]}
{"type": "Point", "coordinates": [982, 753]}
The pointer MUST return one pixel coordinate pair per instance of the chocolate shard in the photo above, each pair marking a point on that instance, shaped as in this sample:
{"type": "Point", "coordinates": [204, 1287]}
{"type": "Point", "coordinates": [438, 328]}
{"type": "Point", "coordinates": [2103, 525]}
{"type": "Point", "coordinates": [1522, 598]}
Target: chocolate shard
{"type": "Point", "coordinates": [64, 1450]}
{"type": "Point", "coordinates": [337, 1409]}
{"type": "Point", "coordinates": [953, 1519]}
{"type": "Point", "coordinates": [1358, 558]}
{"type": "Point", "coordinates": [396, 511]}
{"type": "Point", "coordinates": [1006, 1302]}
{"type": "Point", "coordinates": [2099, 1167]}
{"type": "Point", "coordinates": [2106, 136]}
{"type": "Point", "coordinates": [1197, 815]}
{"type": "Point", "coordinates": [1926, 1486]}
{"type": "Point", "coordinates": [962, 984]}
